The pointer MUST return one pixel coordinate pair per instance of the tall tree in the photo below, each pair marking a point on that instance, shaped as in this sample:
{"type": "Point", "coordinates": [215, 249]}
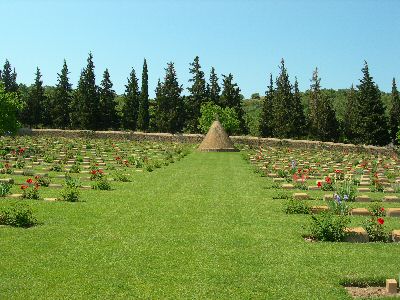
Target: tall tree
{"type": "Point", "coordinates": [131, 104]}
{"type": "Point", "coordinates": [372, 121]}
{"type": "Point", "coordinates": [350, 120]}
{"type": "Point", "coordinates": [62, 99]}
{"type": "Point", "coordinates": [282, 105]}
{"type": "Point", "coordinates": [197, 97]}
{"type": "Point", "coordinates": [144, 116]}
{"type": "Point", "coordinates": [107, 103]}
{"type": "Point", "coordinates": [9, 106]}
{"type": "Point", "coordinates": [322, 117]}
{"type": "Point", "coordinates": [213, 88]}
{"type": "Point", "coordinates": [298, 118]}
{"type": "Point", "coordinates": [33, 111]}
{"type": "Point", "coordinates": [230, 97]}
{"type": "Point", "coordinates": [169, 103]}
{"type": "Point", "coordinates": [9, 78]}
{"type": "Point", "coordinates": [266, 113]}
{"type": "Point", "coordinates": [394, 112]}
{"type": "Point", "coordinates": [86, 101]}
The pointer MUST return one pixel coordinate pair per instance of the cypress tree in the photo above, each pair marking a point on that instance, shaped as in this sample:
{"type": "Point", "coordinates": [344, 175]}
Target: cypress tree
{"type": "Point", "coordinates": [322, 117]}
{"type": "Point", "coordinates": [350, 120]}
{"type": "Point", "coordinates": [131, 104]}
{"type": "Point", "coordinates": [34, 107]}
{"type": "Point", "coordinates": [213, 89]}
{"type": "Point", "coordinates": [144, 116]}
{"type": "Point", "coordinates": [107, 103]}
{"type": "Point", "coordinates": [86, 103]}
{"type": "Point", "coordinates": [230, 97]}
{"type": "Point", "coordinates": [169, 103]}
{"type": "Point", "coordinates": [298, 118]}
{"type": "Point", "coordinates": [394, 112]}
{"type": "Point", "coordinates": [62, 99]}
{"type": "Point", "coordinates": [266, 113]}
{"type": "Point", "coordinates": [9, 78]}
{"type": "Point", "coordinates": [198, 95]}
{"type": "Point", "coordinates": [281, 106]}
{"type": "Point", "coordinates": [372, 121]}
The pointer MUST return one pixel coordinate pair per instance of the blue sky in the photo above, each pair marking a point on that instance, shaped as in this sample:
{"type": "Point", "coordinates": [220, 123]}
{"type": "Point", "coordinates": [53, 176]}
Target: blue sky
{"type": "Point", "coordinates": [245, 38]}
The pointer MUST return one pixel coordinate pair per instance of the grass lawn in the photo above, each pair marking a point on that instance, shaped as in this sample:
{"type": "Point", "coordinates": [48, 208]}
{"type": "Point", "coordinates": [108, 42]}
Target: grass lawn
{"type": "Point", "coordinates": [204, 227]}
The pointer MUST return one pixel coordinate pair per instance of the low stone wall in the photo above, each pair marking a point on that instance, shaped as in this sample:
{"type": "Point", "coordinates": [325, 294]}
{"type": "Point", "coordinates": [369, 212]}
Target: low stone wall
{"type": "Point", "coordinates": [197, 138]}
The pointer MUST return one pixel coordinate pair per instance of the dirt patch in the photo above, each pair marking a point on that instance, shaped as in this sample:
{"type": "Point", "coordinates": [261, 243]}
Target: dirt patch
{"type": "Point", "coordinates": [369, 292]}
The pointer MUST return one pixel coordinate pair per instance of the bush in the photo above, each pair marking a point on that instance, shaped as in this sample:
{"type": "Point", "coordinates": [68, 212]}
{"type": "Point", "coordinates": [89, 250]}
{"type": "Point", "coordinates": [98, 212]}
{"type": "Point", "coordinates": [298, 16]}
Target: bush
{"type": "Point", "coordinates": [376, 230]}
{"type": "Point", "coordinates": [227, 116]}
{"type": "Point", "coordinates": [338, 205]}
{"type": "Point", "coordinates": [9, 107]}
{"type": "Point", "coordinates": [30, 192]}
{"type": "Point", "coordinates": [102, 184]}
{"type": "Point", "coordinates": [4, 189]}
{"type": "Point", "coordinates": [377, 210]}
{"type": "Point", "coordinates": [70, 194]}
{"type": "Point", "coordinates": [72, 182]}
{"type": "Point", "coordinates": [17, 215]}
{"type": "Point", "coordinates": [296, 207]}
{"type": "Point", "coordinates": [118, 176]}
{"type": "Point", "coordinates": [347, 191]}
{"type": "Point", "coordinates": [328, 227]}
{"type": "Point", "coordinates": [42, 180]}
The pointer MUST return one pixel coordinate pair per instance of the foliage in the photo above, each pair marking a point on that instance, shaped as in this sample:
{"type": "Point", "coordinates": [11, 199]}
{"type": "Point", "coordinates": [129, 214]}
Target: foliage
{"type": "Point", "coordinates": [346, 190]}
{"type": "Point", "coordinates": [377, 210]}
{"type": "Point", "coordinates": [227, 116]}
{"type": "Point", "coordinates": [293, 206]}
{"type": "Point", "coordinates": [42, 180]}
{"type": "Point", "coordinates": [107, 104]}
{"type": "Point", "coordinates": [30, 190]}
{"type": "Point", "coordinates": [338, 205]}
{"type": "Point", "coordinates": [144, 115]}
{"type": "Point", "coordinates": [394, 113]}
{"type": "Point", "coordinates": [102, 184]}
{"type": "Point", "coordinates": [5, 188]}
{"type": "Point", "coordinates": [328, 227]}
{"type": "Point", "coordinates": [130, 108]}
{"type": "Point", "coordinates": [376, 230]}
{"type": "Point", "coordinates": [9, 106]}
{"type": "Point", "coordinates": [62, 99]}
{"type": "Point", "coordinates": [17, 215]}
{"type": "Point", "coordinates": [9, 78]}
{"type": "Point", "coordinates": [70, 194]}
{"type": "Point", "coordinates": [213, 88]}
{"type": "Point", "coordinates": [267, 112]}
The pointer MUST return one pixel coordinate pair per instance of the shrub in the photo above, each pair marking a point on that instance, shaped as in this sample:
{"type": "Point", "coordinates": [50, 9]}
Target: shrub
{"type": "Point", "coordinates": [5, 188]}
{"type": "Point", "coordinates": [102, 184]}
{"type": "Point", "coordinates": [42, 180]}
{"type": "Point", "coordinates": [30, 190]}
{"type": "Point", "coordinates": [377, 210]}
{"type": "Point", "coordinates": [75, 168]}
{"type": "Point", "coordinates": [72, 182]}
{"type": "Point", "coordinates": [329, 227]}
{"type": "Point", "coordinates": [17, 215]}
{"type": "Point", "coordinates": [70, 194]}
{"type": "Point", "coordinates": [327, 185]}
{"type": "Point", "coordinates": [149, 167]}
{"type": "Point", "coordinates": [346, 191]}
{"type": "Point", "coordinates": [118, 176]}
{"type": "Point", "coordinates": [227, 116]}
{"type": "Point", "coordinates": [96, 174]}
{"type": "Point", "coordinates": [338, 205]}
{"type": "Point", "coordinates": [296, 207]}
{"type": "Point", "coordinates": [376, 230]}
{"type": "Point", "coordinates": [57, 167]}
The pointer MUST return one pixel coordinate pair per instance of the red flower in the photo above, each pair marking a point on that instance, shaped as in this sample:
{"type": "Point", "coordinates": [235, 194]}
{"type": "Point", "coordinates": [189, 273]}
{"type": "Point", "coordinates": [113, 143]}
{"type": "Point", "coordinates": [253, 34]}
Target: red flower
{"type": "Point", "coordinates": [100, 171]}
{"type": "Point", "coordinates": [381, 221]}
{"type": "Point", "coordinates": [118, 158]}
{"type": "Point", "coordinates": [37, 177]}
{"type": "Point", "coordinates": [29, 181]}
{"type": "Point", "coordinates": [328, 180]}
{"type": "Point", "coordinates": [382, 209]}
{"type": "Point", "coordinates": [93, 172]}
{"type": "Point", "coordinates": [319, 184]}
{"type": "Point", "coordinates": [23, 187]}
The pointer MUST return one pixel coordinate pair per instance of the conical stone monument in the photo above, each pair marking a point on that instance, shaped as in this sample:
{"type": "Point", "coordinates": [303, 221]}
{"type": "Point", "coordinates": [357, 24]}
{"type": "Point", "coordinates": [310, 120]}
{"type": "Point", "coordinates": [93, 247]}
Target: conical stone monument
{"type": "Point", "coordinates": [217, 140]}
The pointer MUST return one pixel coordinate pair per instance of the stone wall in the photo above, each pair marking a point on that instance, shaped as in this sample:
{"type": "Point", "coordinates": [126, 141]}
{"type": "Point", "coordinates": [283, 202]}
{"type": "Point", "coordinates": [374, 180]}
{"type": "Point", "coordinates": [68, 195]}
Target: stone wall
{"type": "Point", "coordinates": [197, 138]}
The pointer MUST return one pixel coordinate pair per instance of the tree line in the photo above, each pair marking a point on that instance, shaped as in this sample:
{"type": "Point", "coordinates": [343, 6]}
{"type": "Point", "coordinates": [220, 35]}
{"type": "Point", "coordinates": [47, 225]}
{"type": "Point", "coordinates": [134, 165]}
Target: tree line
{"type": "Point", "coordinates": [98, 107]}
{"type": "Point", "coordinates": [285, 111]}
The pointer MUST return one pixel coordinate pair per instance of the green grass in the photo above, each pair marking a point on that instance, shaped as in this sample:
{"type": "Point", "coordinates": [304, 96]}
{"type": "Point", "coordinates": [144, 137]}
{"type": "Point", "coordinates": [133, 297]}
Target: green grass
{"type": "Point", "coordinates": [204, 227]}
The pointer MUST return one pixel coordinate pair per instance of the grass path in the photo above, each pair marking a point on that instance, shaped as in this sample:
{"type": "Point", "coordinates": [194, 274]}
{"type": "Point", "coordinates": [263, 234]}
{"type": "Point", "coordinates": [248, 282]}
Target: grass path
{"type": "Point", "coordinates": [204, 227]}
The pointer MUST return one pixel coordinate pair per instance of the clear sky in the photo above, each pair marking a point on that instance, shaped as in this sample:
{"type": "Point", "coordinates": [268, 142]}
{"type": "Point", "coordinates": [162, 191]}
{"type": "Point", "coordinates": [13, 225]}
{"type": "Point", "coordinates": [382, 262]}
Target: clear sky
{"type": "Point", "coordinates": [245, 38]}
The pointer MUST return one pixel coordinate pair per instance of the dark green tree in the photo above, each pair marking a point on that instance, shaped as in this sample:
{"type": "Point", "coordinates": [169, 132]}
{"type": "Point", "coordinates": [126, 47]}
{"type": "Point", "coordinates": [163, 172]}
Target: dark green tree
{"type": "Point", "coordinates": [350, 122]}
{"type": "Point", "coordinates": [322, 118]}
{"type": "Point", "coordinates": [62, 99]}
{"type": "Point", "coordinates": [85, 108]}
{"type": "Point", "coordinates": [231, 97]}
{"type": "Point", "coordinates": [197, 97]}
{"type": "Point", "coordinates": [9, 106]}
{"type": "Point", "coordinates": [213, 89]}
{"type": "Point", "coordinates": [298, 118]}
{"type": "Point", "coordinates": [169, 104]}
{"type": "Point", "coordinates": [372, 126]}
{"type": "Point", "coordinates": [9, 78]}
{"type": "Point", "coordinates": [144, 116]}
{"type": "Point", "coordinates": [266, 110]}
{"type": "Point", "coordinates": [131, 104]}
{"type": "Point", "coordinates": [33, 112]}
{"type": "Point", "coordinates": [107, 103]}
{"type": "Point", "coordinates": [282, 122]}
{"type": "Point", "coordinates": [394, 112]}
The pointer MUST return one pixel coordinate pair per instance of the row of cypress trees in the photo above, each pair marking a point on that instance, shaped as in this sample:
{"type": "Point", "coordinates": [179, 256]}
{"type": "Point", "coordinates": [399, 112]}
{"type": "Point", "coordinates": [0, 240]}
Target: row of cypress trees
{"type": "Point", "coordinates": [95, 107]}
{"type": "Point", "coordinates": [285, 116]}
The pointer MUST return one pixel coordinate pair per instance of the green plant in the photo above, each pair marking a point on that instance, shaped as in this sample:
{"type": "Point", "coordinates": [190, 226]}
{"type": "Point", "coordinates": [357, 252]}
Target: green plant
{"type": "Point", "coordinates": [328, 185]}
{"type": "Point", "coordinates": [17, 215]}
{"type": "Point", "coordinates": [338, 205]}
{"type": "Point", "coordinates": [227, 116]}
{"type": "Point", "coordinates": [346, 190]}
{"type": "Point", "coordinates": [30, 191]}
{"type": "Point", "coordinates": [118, 176]}
{"type": "Point", "coordinates": [5, 188]}
{"type": "Point", "coordinates": [57, 167]}
{"type": "Point", "coordinates": [293, 206]}
{"type": "Point", "coordinates": [301, 186]}
{"type": "Point", "coordinates": [72, 182]}
{"type": "Point", "coordinates": [75, 168]}
{"type": "Point", "coordinates": [377, 210]}
{"type": "Point", "coordinates": [376, 230]}
{"type": "Point", "coordinates": [70, 194]}
{"type": "Point", "coordinates": [42, 180]}
{"type": "Point", "coordinates": [329, 227]}
{"type": "Point", "coordinates": [149, 167]}
{"type": "Point", "coordinates": [102, 184]}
